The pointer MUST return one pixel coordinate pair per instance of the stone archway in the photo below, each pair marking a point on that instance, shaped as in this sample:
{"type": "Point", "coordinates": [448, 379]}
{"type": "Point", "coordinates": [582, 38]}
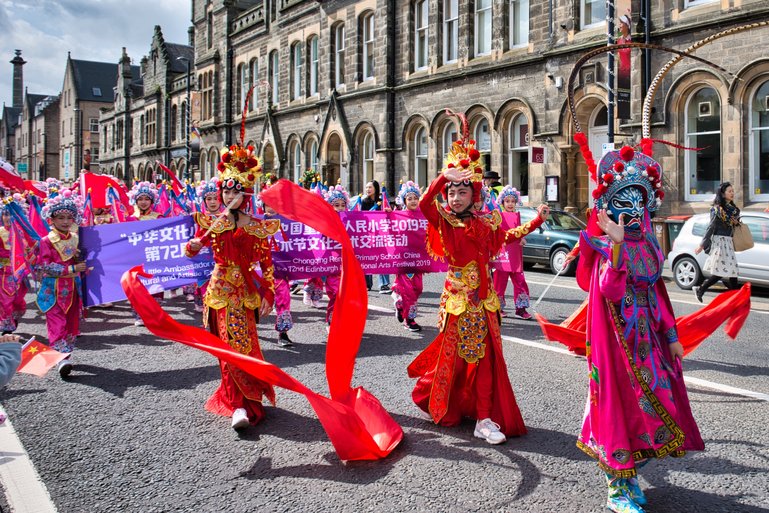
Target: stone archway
{"type": "Point", "coordinates": [331, 170]}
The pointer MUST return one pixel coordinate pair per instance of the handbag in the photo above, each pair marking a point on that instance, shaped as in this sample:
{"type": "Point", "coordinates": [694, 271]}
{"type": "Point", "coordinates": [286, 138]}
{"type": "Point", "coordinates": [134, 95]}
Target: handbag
{"type": "Point", "coordinates": [742, 238]}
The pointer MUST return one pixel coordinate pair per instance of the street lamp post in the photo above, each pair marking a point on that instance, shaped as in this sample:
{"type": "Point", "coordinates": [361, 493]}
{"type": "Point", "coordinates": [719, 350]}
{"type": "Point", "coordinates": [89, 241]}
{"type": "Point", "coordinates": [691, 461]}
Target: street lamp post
{"type": "Point", "coordinates": [187, 111]}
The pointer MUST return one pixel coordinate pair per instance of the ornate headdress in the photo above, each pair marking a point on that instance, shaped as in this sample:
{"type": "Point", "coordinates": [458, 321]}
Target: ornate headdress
{"type": "Point", "coordinates": [146, 189]}
{"type": "Point", "coordinates": [52, 187]}
{"type": "Point", "coordinates": [628, 168]}
{"type": "Point", "coordinates": [208, 188]}
{"type": "Point", "coordinates": [509, 190]}
{"type": "Point", "coordinates": [66, 201]}
{"type": "Point", "coordinates": [239, 167]}
{"type": "Point", "coordinates": [406, 189]}
{"type": "Point", "coordinates": [15, 198]}
{"type": "Point", "coordinates": [336, 192]}
{"type": "Point", "coordinates": [464, 155]}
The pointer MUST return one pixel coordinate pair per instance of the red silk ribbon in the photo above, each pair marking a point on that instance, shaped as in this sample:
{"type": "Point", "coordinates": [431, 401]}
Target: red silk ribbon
{"type": "Point", "coordinates": [355, 421]}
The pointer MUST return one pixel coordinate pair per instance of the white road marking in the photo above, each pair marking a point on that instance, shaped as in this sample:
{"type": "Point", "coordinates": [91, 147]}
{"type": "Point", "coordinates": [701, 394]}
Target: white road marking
{"type": "Point", "coordinates": [380, 309]}
{"type": "Point", "coordinates": [688, 379]}
{"type": "Point", "coordinates": [24, 490]}
{"type": "Point", "coordinates": [681, 301]}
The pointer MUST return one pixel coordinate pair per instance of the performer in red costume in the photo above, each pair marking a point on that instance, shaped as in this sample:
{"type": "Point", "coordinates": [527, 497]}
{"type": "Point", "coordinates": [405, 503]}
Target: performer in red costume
{"type": "Point", "coordinates": [236, 295]}
{"type": "Point", "coordinates": [462, 373]}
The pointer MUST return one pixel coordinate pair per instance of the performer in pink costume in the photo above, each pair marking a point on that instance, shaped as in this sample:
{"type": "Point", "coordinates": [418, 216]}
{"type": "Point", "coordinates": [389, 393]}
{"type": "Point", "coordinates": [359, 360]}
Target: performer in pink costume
{"type": "Point", "coordinates": [208, 191]}
{"type": "Point", "coordinates": [12, 290]}
{"type": "Point", "coordinates": [57, 261]}
{"type": "Point", "coordinates": [408, 285]}
{"type": "Point", "coordinates": [508, 199]}
{"type": "Point", "coordinates": [637, 406]}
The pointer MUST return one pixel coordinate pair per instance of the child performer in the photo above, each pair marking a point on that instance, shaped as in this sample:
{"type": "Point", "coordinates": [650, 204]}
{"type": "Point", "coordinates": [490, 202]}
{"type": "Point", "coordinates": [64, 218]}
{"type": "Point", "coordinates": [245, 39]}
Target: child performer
{"type": "Point", "coordinates": [144, 195]}
{"type": "Point", "coordinates": [408, 286]}
{"type": "Point", "coordinates": [509, 198]}
{"type": "Point", "coordinates": [12, 291]}
{"type": "Point", "coordinates": [57, 261]}
{"type": "Point", "coordinates": [237, 296]}
{"type": "Point", "coordinates": [339, 199]}
{"type": "Point", "coordinates": [462, 373]}
{"type": "Point", "coordinates": [211, 207]}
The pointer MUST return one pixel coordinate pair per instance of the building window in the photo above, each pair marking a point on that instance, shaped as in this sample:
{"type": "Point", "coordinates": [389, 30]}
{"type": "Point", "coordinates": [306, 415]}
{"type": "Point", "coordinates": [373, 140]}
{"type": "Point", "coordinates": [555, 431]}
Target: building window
{"type": "Point", "coordinates": [592, 13]}
{"type": "Point", "coordinates": [519, 22]}
{"type": "Point", "coordinates": [312, 156]}
{"type": "Point", "coordinates": [213, 160]}
{"type": "Point", "coordinates": [518, 154]}
{"type": "Point", "coordinates": [274, 76]}
{"type": "Point", "coordinates": [207, 94]}
{"type": "Point", "coordinates": [296, 71]}
{"type": "Point", "coordinates": [119, 135]}
{"type": "Point", "coordinates": [174, 124]}
{"type": "Point", "coordinates": [450, 30]}
{"type": "Point", "coordinates": [242, 86]}
{"type": "Point", "coordinates": [297, 162]}
{"type": "Point", "coordinates": [94, 154]}
{"type": "Point", "coordinates": [420, 156]}
{"type": "Point", "coordinates": [450, 135]}
{"type": "Point", "coordinates": [70, 126]}
{"type": "Point", "coordinates": [314, 66]}
{"type": "Point", "coordinates": [368, 46]}
{"type": "Point", "coordinates": [93, 124]}
{"type": "Point", "coordinates": [183, 121]}
{"type": "Point", "coordinates": [482, 27]}
{"type": "Point", "coordinates": [367, 164]}
{"type": "Point", "coordinates": [339, 56]}
{"type": "Point", "coordinates": [482, 136]}
{"type": "Point", "coordinates": [421, 12]}
{"type": "Point", "coordinates": [703, 130]}
{"type": "Point", "coordinates": [142, 130]}
{"type": "Point", "coordinates": [210, 30]}
{"type": "Point", "coordinates": [151, 126]}
{"type": "Point", "coordinates": [692, 3]}
{"type": "Point", "coordinates": [759, 144]}
{"type": "Point", "coordinates": [254, 77]}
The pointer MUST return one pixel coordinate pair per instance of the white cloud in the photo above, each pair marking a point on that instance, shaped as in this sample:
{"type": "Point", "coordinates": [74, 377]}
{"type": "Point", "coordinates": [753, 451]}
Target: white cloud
{"type": "Point", "coordinates": [92, 30]}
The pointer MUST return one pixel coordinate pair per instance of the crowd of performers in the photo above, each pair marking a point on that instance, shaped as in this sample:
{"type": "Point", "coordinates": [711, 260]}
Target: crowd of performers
{"type": "Point", "coordinates": [637, 408]}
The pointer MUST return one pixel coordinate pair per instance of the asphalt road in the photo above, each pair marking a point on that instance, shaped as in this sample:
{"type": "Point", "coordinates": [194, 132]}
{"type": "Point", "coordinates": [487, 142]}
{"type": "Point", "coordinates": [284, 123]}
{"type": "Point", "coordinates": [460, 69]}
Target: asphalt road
{"type": "Point", "coordinates": [128, 431]}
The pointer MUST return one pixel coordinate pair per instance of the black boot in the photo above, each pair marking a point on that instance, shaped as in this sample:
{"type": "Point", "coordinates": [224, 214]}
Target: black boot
{"type": "Point", "coordinates": [283, 340]}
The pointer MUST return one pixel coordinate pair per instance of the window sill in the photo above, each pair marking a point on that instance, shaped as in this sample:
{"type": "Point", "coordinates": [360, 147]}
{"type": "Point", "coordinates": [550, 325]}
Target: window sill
{"type": "Point", "coordinates": [705, 8]}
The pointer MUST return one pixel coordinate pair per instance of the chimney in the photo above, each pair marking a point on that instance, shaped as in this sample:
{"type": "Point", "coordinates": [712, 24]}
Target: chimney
{"type": "Point", "coordinates": [18, 80]}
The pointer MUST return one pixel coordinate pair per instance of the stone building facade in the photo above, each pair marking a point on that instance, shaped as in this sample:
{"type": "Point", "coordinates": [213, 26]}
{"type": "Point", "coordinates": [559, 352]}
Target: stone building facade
{"type": "Point", "coordinates": [147, 121]}
{"type": "Point", "coordinates": [38, 137]}
{"type": "Point", "coordinates": [358, 90]}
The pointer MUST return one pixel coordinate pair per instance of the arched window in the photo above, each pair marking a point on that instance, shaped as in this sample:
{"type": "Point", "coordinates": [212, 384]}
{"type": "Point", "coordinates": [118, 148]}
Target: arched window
{"type": "Point", "coordinates": [174, 124]}
{"type": "Point", "coordinates": [274, 76]}
{"type": "Point", "coordinates": [420, 156]}
{"type": "Point", "coordinates": [483, 12]}
{"type": "Point", "coordinates": [759, 144]}
{"type": "Point", "coordinates": [314, 66]}
{"type": "Point", "coordinates": [213, 160]}
{"type": "Point", "coordinates": [703, 130]}
{"type": "Point", "coordinates": [482, 136]}
{"type": "Point", "coordinates": [368, 46]}
{"type": "Point", "coordinates": [296, 71]}
{"type": "Point", "coordinates": [243, 85]}
{"type": "Point", "coordinates": [421, 15]}
{"type": "Point", "coordinates": [518, 154]}
{"type": "Point", "coordinates": [312, 156]}
{"type": "Point", "coordinates": [367, 163]}
{"type": "Point", "coordinates": [450, 135]}
{"type": "Point", "coordinates": [253, 104]}
{"type": "Point", "coordinates": [296, 161]}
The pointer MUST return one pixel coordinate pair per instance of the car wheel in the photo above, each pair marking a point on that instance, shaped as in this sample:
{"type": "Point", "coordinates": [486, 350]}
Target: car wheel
{"type": "Point", "coordinates": [558, 259]}
{"type": "Point", "coordinates": [686, 273]}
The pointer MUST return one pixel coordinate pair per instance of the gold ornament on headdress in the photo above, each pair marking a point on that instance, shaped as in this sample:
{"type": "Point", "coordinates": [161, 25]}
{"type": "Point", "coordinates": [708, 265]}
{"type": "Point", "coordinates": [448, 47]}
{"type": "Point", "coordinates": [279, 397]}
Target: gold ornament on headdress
{"type": "Point", "coordinates": [463, 154]}
{"type": "Point", "coordinates": [238, 162]}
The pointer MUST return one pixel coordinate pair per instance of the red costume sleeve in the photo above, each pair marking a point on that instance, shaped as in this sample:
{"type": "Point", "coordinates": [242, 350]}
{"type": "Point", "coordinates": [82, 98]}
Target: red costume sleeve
{"type": "Point", "coordinates": [427, 202]}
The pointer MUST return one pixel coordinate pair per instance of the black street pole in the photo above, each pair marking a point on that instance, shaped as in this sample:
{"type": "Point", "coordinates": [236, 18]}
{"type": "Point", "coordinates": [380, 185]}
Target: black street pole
{"type": "Point", "coordinates": [187, 172]}
{"type": "Point", "coordinates": [610, 65]}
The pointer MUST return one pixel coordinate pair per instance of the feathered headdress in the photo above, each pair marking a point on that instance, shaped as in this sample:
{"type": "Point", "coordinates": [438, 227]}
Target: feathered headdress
{"type": "Point", "coordinates": [239, 167]}
{"type": "Point", "coordinates": [464, 155]}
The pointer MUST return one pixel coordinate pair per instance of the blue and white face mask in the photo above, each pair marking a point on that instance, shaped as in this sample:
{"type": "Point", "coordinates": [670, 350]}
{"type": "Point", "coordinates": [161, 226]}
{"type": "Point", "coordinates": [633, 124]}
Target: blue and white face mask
{"type": "Point", "coordinates": [629, 202]}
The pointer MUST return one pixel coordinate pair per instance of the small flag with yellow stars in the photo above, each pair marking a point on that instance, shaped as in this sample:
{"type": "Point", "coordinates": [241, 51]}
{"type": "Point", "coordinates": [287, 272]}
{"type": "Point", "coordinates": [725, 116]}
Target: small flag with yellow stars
{"type": "Point", "coordinates": [37, 358]}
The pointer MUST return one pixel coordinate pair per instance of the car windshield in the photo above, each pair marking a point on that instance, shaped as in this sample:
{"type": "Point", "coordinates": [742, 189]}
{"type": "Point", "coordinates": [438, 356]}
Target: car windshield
{"type": "Point", "coordinates": [562, 221]}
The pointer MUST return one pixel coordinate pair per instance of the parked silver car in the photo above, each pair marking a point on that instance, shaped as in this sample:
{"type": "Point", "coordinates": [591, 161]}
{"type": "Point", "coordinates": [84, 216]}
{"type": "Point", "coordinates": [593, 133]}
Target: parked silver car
{"type": "Point", "coordinates": [753, 264]}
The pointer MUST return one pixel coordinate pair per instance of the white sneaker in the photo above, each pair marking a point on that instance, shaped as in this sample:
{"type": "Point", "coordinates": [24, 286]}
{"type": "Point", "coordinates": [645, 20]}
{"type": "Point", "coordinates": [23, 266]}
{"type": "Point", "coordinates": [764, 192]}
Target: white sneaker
{"type": "Point", "coordinates": [138, 322]}
{"type": "Point", "coordinates": [306, 298]}
{"type": "Point", "coordinates": [64, 368]}
{"type": "Point", "coordinates": [240, 419]}
{"type": "Point", "coordinates": [316, 304]}
{"type": "Point", "coordinates": [489, 430]}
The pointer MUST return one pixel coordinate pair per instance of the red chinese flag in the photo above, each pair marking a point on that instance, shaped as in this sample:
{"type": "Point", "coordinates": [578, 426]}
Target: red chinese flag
{"type": "Point", "coordinates": [37, 358]}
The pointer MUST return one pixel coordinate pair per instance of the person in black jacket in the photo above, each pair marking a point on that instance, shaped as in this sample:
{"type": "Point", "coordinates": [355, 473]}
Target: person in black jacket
{"type": "Point", "coordinates": [717, 242]}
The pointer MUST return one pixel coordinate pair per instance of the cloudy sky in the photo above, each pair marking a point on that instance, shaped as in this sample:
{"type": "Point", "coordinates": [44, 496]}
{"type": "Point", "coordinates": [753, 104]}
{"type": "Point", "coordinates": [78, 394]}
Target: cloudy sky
{"type": "Point", "coordinates": [92, 30]}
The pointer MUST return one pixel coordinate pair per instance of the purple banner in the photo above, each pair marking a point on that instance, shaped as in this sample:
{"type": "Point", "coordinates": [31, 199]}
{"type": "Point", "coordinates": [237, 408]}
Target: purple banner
{"type": "Point", "coordinates": [384, 243]}
{"type": "Point", "coordinates": [112, 249]}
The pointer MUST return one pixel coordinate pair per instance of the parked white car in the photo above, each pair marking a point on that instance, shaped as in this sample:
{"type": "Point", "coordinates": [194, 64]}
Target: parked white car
{"type": "Point", "coordinates": [753, 264]}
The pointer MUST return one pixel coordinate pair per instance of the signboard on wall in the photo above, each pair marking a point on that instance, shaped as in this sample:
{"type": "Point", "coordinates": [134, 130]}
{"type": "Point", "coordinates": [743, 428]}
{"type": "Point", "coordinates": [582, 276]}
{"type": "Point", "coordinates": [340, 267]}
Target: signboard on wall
{"type": "Point", "coordinates": [537, 155]}
{"type": "Point", "coordinates": [66, 163]}
{"type": "Point", "coordinates": [22, 168]}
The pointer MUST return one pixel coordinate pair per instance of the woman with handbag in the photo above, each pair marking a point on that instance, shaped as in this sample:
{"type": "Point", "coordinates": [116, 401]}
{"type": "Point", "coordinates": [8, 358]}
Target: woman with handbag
{"type": "Point", "coordinates": [718, 242]}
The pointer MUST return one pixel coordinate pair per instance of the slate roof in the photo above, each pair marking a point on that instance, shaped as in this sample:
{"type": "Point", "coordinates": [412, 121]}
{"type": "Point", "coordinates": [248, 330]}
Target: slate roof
{"type": "Point", "coordinates": [11, 119]}
{"type": "Point", "coordinates": [175, 51]}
